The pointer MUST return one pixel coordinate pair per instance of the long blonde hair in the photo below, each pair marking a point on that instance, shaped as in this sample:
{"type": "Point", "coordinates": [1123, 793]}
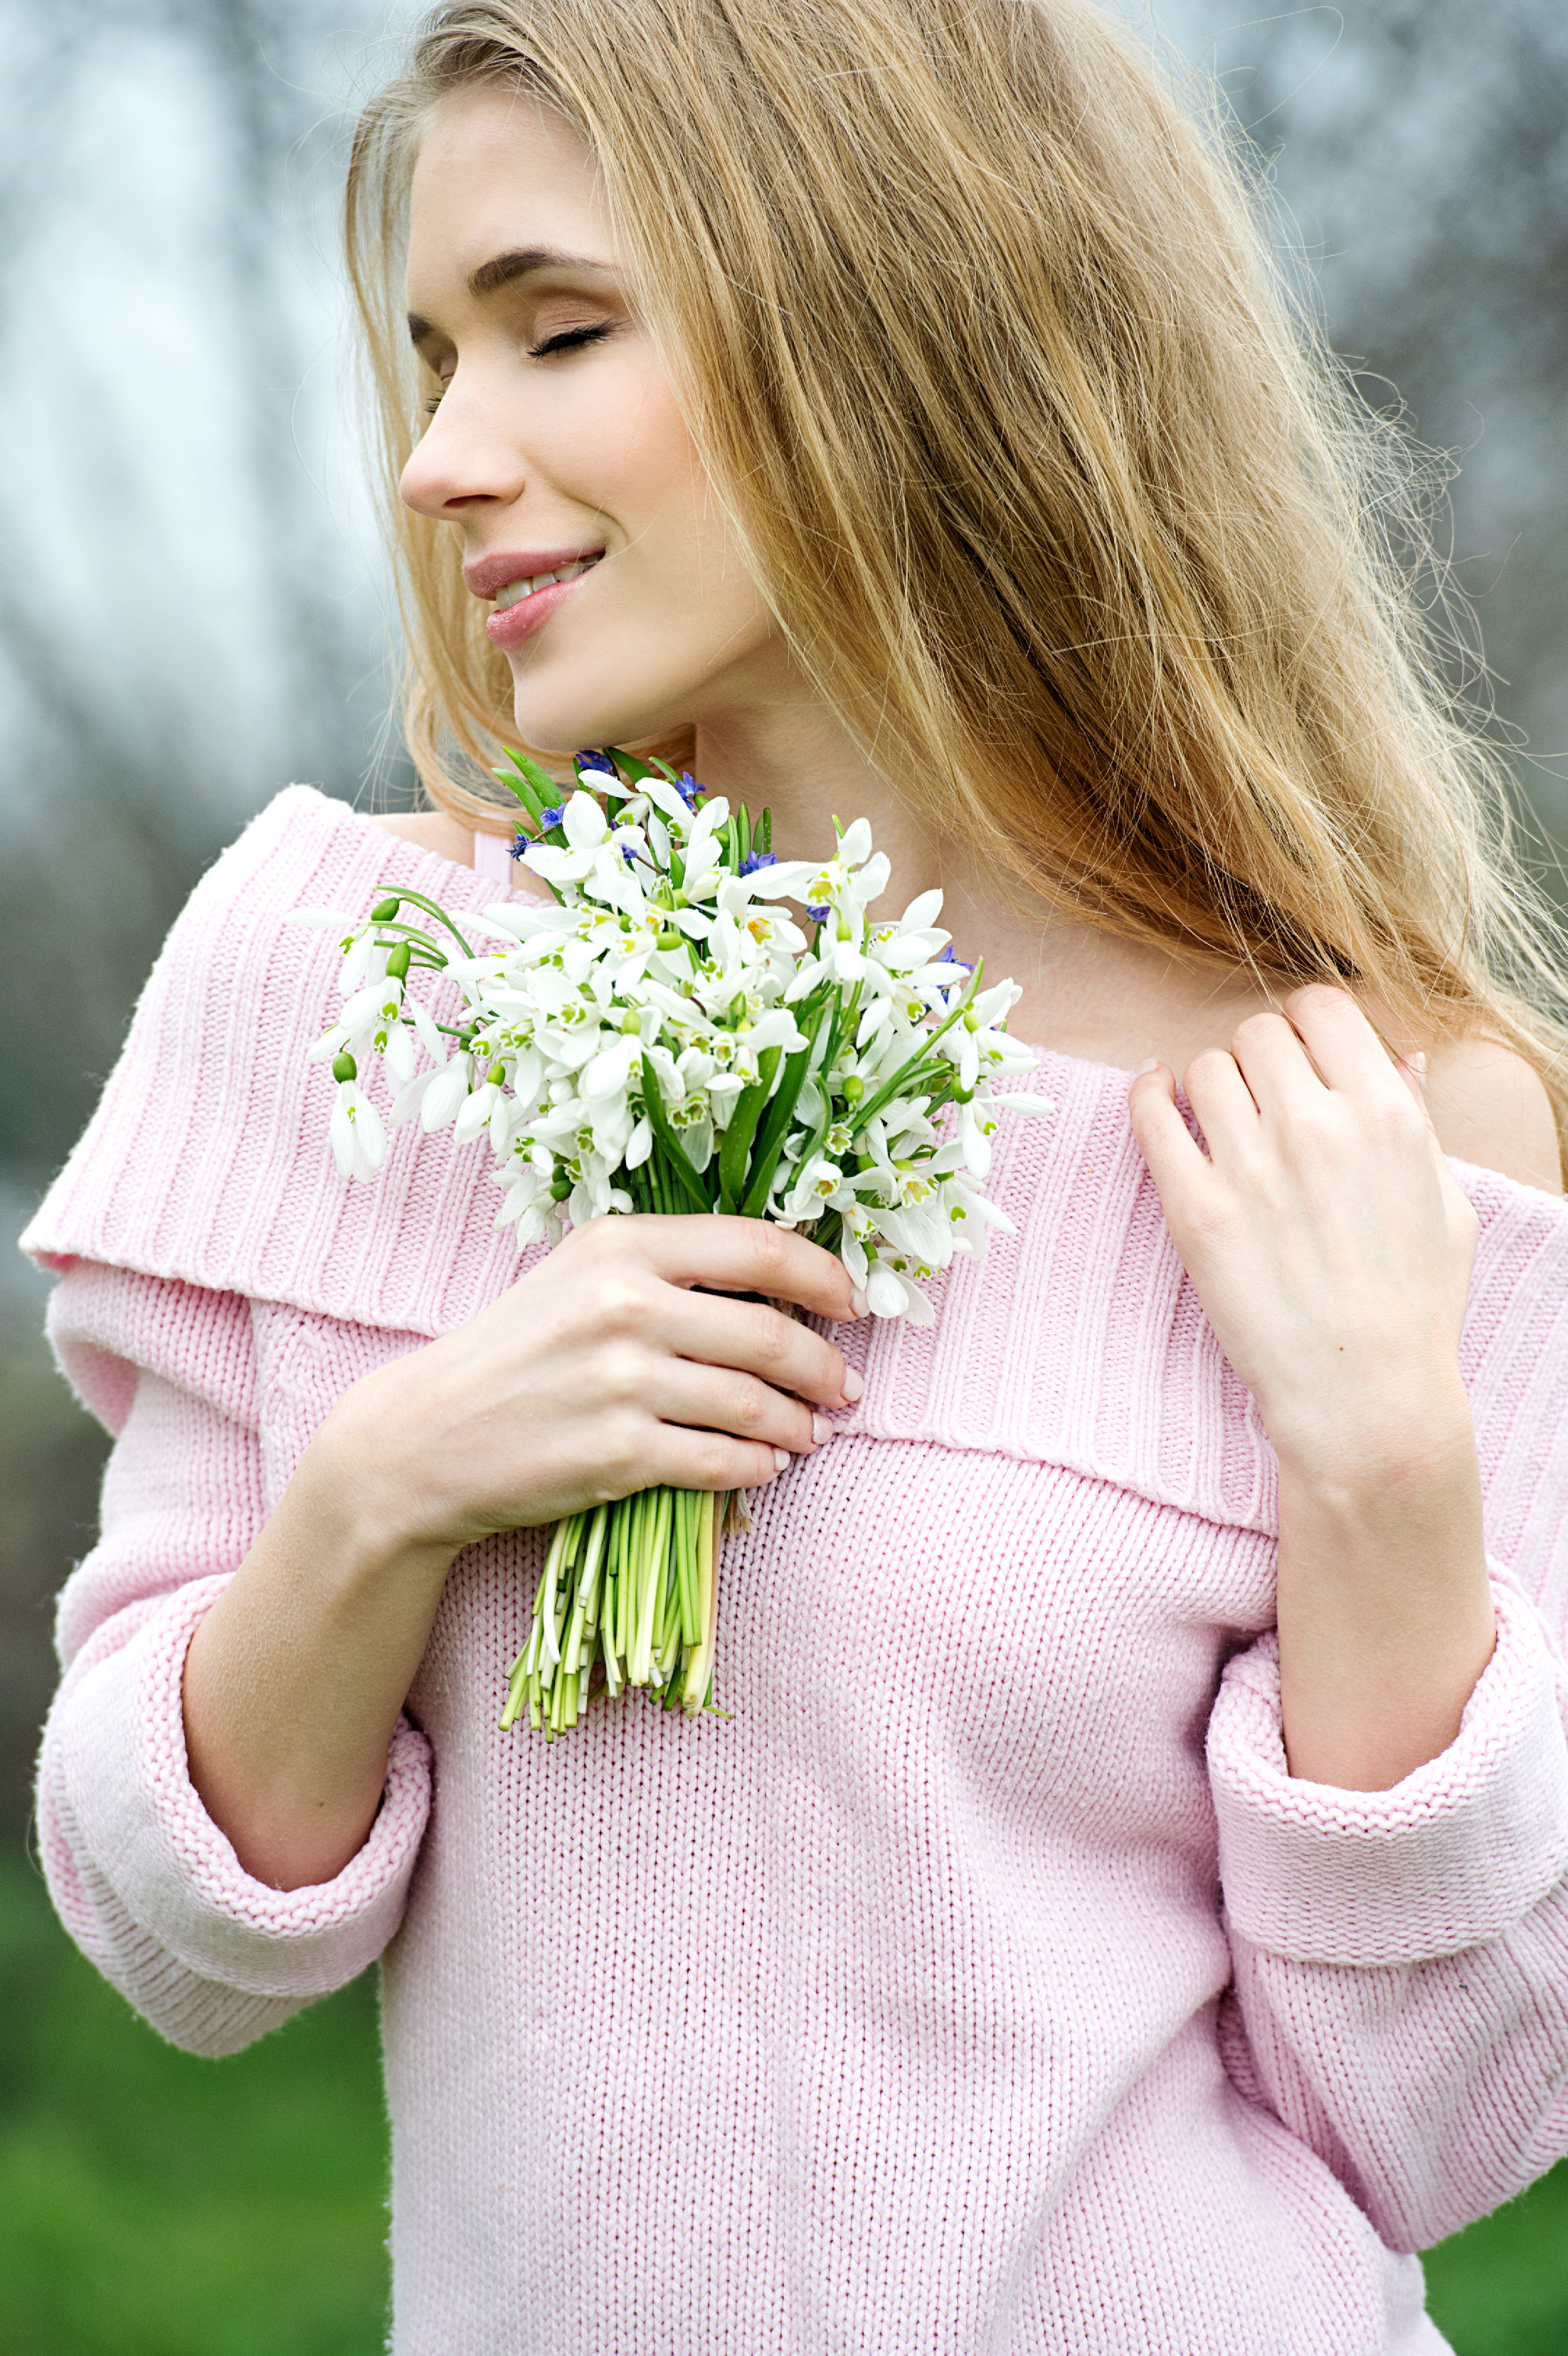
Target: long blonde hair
{"type": "Point", "coordinates": [1054, 491]}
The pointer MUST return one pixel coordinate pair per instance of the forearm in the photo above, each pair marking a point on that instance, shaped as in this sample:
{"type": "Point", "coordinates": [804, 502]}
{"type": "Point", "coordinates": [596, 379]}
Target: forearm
{"type": "Point", "coordinates": [1385, 1612]}
{"type": "Point", "coordinates": [294, 1679]}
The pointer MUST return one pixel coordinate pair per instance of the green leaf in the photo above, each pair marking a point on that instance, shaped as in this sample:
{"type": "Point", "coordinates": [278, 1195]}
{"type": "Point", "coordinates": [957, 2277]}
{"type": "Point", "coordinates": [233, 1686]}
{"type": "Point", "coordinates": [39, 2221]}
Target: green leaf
{"type": "Point", "coordinates": [630, 766]}
{"type": "Point", "coordinates": [735, 1151]}
{"type": "Point", "coordinates": [895, 1087]}
{"type": "Point", "coordinates": [527, 781]}
{"type": "Point", "coordinates": [781, 1111]}
{"type": "Point", "coordinates": [669, 1146]}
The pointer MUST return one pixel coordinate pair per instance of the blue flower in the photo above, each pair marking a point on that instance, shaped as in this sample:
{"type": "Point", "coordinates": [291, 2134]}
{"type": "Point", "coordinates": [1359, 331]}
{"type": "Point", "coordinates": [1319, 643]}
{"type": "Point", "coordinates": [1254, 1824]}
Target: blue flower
{"type": "Point", "coordinates": [590, 760]}
{"type": "Point", "coordinates": [816, 914]}
{"type": "Point", "coordinates": [551, 817]}
{"type": "Point", "coordinates": [947, 957]}
{"type": "Point", "coordinates": [628, 852]}
{"type": "Point", "coordinates": [686, 787]}
{"type": "Point", "coordinates": [519, 843]}
{"type": "Point", "coordinates": [755, 858]}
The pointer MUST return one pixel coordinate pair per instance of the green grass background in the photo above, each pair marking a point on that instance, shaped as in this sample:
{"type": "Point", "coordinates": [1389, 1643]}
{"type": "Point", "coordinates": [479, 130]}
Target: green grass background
{"type": "Point", "coordinates": [154, 2205]}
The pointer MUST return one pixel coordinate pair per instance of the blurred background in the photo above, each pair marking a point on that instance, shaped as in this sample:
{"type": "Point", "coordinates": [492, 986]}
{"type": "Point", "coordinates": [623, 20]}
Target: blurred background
{"type": "Point", "coordinates": [192, 614]}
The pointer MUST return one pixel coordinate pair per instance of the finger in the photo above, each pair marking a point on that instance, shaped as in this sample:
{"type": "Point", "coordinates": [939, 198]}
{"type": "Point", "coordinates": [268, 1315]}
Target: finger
{"type": "Point", "coordinates": [725, 1399]}
{"type": "Point", "coordinates": [739, 1254]}
{"type": "Point", "coordinates": [749, 1336]}
{"type": "Point", "coordinates": [1163, 1138]}
{"type": "Point", "coordinates": [682, 1458]}
{"type": "Point", "coordinates": [1275, 1065]}
{"type": "Point", "coordinates": [1341, 1042]}
{"type": "Point", "coordinates": [1226, 1110]}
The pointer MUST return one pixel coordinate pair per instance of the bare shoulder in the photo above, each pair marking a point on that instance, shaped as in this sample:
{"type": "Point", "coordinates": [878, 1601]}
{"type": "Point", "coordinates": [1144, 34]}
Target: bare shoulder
{"type": "Point", "coordinates": [1490, 1107]}
{"type": "Point", "coordinates": [449, 839]}
{"type": "Point", "coordinates": [432, 830]}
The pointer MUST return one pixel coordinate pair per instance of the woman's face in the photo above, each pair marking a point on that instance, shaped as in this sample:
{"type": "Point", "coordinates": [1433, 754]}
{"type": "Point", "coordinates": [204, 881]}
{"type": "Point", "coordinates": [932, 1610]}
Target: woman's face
{"type": "Point", "coordinates": [558, 442]}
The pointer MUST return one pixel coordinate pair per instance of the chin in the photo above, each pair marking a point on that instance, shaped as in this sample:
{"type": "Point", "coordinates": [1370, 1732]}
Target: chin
{"type": "Point", "coordinates": [559, 719]}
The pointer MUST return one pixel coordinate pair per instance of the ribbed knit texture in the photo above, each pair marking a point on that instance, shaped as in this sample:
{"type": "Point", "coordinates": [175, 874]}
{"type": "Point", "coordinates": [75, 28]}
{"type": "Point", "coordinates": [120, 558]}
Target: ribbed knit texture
{"type": "Point", "coordinates": [986, 1983]}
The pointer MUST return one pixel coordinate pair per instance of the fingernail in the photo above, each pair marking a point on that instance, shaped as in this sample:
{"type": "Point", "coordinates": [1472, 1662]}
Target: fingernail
{"type": "Point", "coordinates": [821, 1429]}
{"type": "Point", "coordinates": [781, 1459]}
{"type": "Point", "coordinates": [1150, 1065]}
{"type": "Point", "coordinates": [854, 1383]}
{"type": "Point", "coordinates": [857, 1301]}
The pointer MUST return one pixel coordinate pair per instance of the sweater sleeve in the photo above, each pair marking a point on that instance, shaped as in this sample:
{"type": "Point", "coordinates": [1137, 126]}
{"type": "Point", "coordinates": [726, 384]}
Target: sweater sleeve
{"type": "Point", "coordinates": [147, 1885]}
{"type": "Point", "coordinates": [1401, 1957]}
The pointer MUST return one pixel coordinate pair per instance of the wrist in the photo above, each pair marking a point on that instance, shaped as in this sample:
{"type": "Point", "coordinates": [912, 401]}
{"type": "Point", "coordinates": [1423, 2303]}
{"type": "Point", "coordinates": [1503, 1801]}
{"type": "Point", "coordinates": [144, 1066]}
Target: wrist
{"type": "Point", "coordinates": [362, 1505]}
{"type": "Point", "coordinates": [1404, 1442]}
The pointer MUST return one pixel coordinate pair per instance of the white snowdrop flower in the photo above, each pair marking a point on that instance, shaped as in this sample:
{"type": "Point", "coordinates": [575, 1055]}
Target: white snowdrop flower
{"type": "Point", "coordinates": [445, 1094]}
{"type": "Point", "coordinates": [887, 1295]}
{"type": "Point", "coordinates": [974, 1135]}
{"type": "Point", "coordinates": [608, 1073]}
{"type": "Point", "coordinates": [359, 1140]}
{"type": "Point", "coordinates": [366, 958]}
{"type": "Point", "coordinates": [400, 1055]}
{"type": "Point", "coordinates": [326, 920]}
{"type": "Point", "coordinates": [475, 1115]}
{"type": "Point", "coordinates": [922, 913]}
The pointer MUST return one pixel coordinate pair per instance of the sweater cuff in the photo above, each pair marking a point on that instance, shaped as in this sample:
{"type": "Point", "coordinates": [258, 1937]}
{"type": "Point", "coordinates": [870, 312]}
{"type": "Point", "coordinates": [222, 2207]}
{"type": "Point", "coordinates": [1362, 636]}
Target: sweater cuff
{"type": "Point", "coordinates": [123, 1757]}
{"type": "Point", "coordinates": [1455, 1855]}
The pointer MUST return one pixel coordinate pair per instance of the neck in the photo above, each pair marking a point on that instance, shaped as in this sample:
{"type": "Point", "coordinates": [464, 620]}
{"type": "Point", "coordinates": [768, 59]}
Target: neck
{"type": "Point", "coordinates": [797, 760]}
{"type": "Point", "coordinates": [1085, 991]}
{"type": "Point", "coordinates": [794, 758]}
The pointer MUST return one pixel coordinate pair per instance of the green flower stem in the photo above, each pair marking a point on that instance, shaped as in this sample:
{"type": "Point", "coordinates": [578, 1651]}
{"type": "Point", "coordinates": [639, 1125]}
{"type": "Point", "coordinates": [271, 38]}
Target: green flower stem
{"type": "Point", "coordinates": [431, 908]}
{"type": "Point", "coordinates": [640, 1667]}
{"type": "Point", "coordinates": [891, 1089]}
{"type": "Point", "coordinates": [699, 1662]}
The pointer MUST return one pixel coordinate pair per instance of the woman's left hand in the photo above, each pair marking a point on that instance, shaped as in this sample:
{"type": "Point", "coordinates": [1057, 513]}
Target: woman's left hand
{"type": "Point", "coordinates": [1323, 1232]}
{"type": "Point", "coordinates": [1331, 1249]}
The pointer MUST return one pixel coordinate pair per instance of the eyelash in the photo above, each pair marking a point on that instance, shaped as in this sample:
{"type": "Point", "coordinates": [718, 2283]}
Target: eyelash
{"type": "Point", "coordinates": [571, 339]}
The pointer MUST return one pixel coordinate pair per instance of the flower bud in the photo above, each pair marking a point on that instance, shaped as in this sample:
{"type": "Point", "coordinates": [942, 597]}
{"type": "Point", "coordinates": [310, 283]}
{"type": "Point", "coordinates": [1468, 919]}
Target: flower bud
{"type": "Point", "coordinates": [854, 1088]}
{"type": "Point", "coordinates": [398, 962]}
{"type": "Point", "coordinates": [385, 910]}
{"type": "Point", "coordinates": [344, 1067]}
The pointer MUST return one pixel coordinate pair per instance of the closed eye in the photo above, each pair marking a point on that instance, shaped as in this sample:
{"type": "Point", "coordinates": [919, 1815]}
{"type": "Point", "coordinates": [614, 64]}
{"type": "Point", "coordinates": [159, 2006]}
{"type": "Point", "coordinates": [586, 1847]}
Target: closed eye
{"type": "Point", "coordinates": [571, 339]}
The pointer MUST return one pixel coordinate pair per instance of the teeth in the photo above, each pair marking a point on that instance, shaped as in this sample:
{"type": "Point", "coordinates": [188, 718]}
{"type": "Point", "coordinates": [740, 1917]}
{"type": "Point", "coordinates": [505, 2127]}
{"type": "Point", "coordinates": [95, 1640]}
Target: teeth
{"type": "Point", "coordinates": [516, 590]}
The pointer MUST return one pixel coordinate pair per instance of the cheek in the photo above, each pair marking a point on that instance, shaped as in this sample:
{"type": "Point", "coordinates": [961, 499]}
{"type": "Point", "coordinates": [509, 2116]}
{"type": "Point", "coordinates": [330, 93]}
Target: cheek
{"type": "Point", "coordinates": [635, 449]}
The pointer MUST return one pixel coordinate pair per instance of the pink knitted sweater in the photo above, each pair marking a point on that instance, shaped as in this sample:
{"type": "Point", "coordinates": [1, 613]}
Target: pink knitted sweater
{"type": "Point", "coordinates": [994, 1988]}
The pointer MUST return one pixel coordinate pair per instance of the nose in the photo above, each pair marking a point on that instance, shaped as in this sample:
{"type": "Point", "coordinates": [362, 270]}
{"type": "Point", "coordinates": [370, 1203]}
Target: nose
{"type": "Point", "coordinates": [462, 458]}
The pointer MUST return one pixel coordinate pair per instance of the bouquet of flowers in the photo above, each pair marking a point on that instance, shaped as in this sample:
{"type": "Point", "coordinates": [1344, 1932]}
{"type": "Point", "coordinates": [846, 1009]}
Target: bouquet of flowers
{"type": "Point", "coordinates": [662, 1036]}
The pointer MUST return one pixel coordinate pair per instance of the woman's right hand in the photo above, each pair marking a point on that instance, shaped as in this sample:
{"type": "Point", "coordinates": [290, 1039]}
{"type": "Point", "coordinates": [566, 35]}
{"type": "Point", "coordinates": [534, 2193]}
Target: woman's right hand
{"type": "Point", "coordinates": [615, 1364]}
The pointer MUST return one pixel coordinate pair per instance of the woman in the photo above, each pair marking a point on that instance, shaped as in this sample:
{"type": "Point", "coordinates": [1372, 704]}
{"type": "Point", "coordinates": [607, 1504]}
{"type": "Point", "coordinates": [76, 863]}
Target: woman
{"type": "Point", "coordinates": [1125, 1909]}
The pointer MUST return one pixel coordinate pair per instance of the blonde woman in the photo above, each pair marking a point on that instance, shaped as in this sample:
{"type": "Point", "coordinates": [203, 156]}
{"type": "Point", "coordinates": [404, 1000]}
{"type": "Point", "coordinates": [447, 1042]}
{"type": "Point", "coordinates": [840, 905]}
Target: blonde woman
{"type": "Point", "coordinates": [1127, 1908]}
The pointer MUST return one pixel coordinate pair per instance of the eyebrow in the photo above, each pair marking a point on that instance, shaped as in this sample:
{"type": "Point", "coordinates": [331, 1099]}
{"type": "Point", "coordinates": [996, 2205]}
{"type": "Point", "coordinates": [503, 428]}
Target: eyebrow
{"type": "Point", "coordinates": [500, 271]}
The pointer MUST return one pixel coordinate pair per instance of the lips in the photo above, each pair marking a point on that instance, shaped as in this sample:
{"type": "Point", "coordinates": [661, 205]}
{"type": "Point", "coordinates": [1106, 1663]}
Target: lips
{"type": "Point", "coordinates": [515, 591]}
{"type": "Point", "coordinates": [532, 605]}
{"type": "Point", "coordinates": [527, 585]}
{"type": "Point", "coordinates": [487, 575]}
